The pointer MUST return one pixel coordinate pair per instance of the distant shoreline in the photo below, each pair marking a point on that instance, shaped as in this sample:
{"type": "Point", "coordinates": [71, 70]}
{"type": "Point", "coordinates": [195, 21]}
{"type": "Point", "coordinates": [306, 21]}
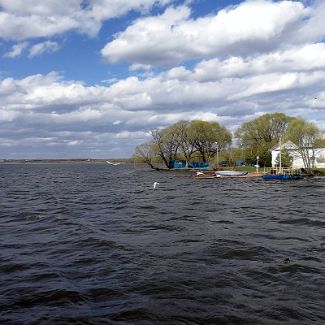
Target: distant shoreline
{"type": "Point", "coordinates": [62, 161]}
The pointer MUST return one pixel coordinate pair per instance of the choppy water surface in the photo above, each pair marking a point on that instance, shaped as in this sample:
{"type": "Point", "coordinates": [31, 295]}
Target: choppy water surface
{"type": "Point", "coordinates": [96, 244]}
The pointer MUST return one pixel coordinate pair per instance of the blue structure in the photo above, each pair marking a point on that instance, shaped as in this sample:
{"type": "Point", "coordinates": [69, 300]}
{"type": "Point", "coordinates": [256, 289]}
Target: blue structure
{"type": "Point", "coordinates": [182, 164]}
{"type": "Point", "coordinates": [199, 165]}
{"type": "Point", "coordinates": [240, 162]}
{"type": "Point", "coordinates": [178, 164]}
{"type": "Point", "coordinates": [282, 177]}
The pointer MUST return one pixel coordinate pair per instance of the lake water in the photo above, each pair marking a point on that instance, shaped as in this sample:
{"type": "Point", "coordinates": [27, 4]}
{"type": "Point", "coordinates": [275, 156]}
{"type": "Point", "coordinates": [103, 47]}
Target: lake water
{"type": "Point", "coordinates": [96, 244]}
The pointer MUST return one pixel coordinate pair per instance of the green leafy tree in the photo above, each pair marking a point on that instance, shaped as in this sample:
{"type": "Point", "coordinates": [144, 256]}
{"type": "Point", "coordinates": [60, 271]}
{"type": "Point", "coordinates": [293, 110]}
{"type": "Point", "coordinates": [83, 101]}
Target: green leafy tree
{"type": "Point", "coordinates": [203, 136]}
{"type": "Point", "coordinates": [166, 145]}
{"type": "Point", "coordinates": [232, 155]}
{"type": "Point", "coordinates": [180, 130]}
{"type": "Point", "coordinates": [320, 143]}
{"type": "Point", "coordinates": [262, 133]}
{"type": "Point", "coordinates": [265, 159]}
{"type": "Point", "coordinates": [286, 158]}
{"type": "Point", "coordinates": [184, 140]}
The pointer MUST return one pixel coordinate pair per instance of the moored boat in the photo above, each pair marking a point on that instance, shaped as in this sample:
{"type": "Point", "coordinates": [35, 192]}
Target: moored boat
{"type": "Point", "coordinates": [230, 173]}
{"type": "Point", "coordinates": [233, 175]}
{"type": "Point", "coordinates": [280, 173]}
{"type": "Point", "coordinates": [283, 174]}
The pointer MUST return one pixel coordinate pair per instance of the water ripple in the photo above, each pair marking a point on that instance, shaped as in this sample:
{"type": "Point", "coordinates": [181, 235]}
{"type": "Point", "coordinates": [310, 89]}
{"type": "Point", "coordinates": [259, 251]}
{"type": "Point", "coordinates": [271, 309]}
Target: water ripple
{"type": "Point", "coordinates": [96, 244]}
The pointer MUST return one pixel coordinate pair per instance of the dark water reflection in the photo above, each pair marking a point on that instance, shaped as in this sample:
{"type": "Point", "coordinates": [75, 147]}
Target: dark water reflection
{"type": "Point", "coordinates": [96, 244]}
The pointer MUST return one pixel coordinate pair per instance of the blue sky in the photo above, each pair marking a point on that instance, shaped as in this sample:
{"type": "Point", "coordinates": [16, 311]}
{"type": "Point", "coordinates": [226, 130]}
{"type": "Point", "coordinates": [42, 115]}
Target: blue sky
{"type": "Point", "coordinates": [92, 78]}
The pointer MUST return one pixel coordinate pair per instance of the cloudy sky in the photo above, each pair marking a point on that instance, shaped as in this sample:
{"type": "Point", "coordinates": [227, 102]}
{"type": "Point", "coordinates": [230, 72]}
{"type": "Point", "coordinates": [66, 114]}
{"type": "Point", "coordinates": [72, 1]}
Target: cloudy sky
{"type": "Point", "coordinates": [91, 78]}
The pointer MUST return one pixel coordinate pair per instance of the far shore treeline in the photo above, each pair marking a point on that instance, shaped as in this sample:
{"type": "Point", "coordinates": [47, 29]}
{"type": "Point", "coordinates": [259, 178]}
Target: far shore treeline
{"type": "Point", "coordinates": [201, 141]}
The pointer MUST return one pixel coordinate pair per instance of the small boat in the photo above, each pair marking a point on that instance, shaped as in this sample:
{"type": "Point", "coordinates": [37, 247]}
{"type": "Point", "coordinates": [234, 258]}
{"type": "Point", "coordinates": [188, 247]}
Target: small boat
{"type": "Point", "coordinates": [233, 175]}
{"type": "Point", "coordinates": [230, 173]}
{"type": "Point", "coordinates": [280, 173]}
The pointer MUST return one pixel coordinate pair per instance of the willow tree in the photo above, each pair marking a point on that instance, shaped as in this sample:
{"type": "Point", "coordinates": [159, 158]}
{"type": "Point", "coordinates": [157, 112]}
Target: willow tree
{"type": "Point", "coordinates": [145, 153]}
{"type": "Point", "coordinates": [166, 145]}
{"type": "Point", "coordinates": [264, 131]}
{"type": "Point", "coordinates": [208, 137]}
{"type": "Point", "coordinates": [181, 130]}
{"type": "Point", "coordinates": [261, 134]}
{"type": "Point", "coordinates": [181, 140]}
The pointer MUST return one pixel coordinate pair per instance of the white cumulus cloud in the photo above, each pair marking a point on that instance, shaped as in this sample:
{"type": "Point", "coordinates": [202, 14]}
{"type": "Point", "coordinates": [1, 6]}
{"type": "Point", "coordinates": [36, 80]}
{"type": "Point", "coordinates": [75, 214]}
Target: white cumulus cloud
{"type": "Point", "coordinates": [174, 36]}
{"type": "Point", "coordinates": [133, 106]}
{"type": "Point", "coordinates": [20, 20]}
{"type": "Point", "coordinates": [260, 56]}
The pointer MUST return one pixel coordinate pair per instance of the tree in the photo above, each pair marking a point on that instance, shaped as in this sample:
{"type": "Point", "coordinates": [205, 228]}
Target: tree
{"type": "Point", "coordinates": [233, 155]}
{"type": "Point", "coordinates": [265, 159]}
{"type": "Point", "coordinates": [183, 140]}
{"type": "Point", "coordinates": [305, 136]}
{"type": "Point", "coordinates": [203, 136]}
{"type": "Point", "coordinates": [262, 133]}
{"type": "Point", "coordinates": [146, 153]}
{"type": "Point", "coordinates": [320, 143]}
{"type": "Point", "coordinates": [166, 145]}
{"type": "Point", "coordinates": [286, 158]}
{"type": "Point", "coordinates": [180, 130]}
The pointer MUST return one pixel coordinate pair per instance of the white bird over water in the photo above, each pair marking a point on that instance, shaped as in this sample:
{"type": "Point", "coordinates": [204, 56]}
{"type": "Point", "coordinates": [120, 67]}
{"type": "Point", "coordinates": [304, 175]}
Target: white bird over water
{"type": "Point", "coordinates": [111, 163]}
{"type": "Point", "coordinates": [155, 184]}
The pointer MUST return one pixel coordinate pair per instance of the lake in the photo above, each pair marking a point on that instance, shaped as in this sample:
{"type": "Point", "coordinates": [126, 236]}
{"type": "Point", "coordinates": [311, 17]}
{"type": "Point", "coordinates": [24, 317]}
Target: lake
{"type": "Point", "coordinates": [97, 244]}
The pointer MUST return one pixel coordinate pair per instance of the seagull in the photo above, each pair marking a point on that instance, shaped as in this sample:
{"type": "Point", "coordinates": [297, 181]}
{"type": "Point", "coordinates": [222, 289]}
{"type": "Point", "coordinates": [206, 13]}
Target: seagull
{"type": "Point", "coordinates": [155, 184]}
{"type": "Point", "coordinates": [111, 163]}
{"type": "Point", "coordinates": [199, 173]}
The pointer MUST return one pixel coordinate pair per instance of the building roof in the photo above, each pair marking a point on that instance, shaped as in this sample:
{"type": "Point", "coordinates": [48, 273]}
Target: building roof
{"type": "Point", "coordinates": [289, 145]}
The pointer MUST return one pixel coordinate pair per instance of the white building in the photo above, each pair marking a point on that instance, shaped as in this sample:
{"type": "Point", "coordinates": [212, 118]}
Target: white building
{"type": "Point", "coordinates": [297, 160]}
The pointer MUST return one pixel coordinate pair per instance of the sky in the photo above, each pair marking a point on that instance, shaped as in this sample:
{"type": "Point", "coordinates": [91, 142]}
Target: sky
{"type": "Point", "coordinates": [91, 78]}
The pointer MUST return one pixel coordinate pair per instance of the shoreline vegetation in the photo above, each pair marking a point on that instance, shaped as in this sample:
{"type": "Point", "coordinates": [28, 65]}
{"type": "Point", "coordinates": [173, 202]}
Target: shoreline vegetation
{"type": "Point", "coordinates": [196, 145]}
{"type": "Point", "coordinates": [250, 169]}
{"type": "Point", "coordinates": [200, 142]}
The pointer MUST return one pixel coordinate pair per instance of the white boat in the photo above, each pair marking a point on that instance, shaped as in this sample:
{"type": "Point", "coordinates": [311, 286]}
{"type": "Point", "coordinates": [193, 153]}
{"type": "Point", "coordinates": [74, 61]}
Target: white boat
{"type": "Point", "coordinates": [230, 173]}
